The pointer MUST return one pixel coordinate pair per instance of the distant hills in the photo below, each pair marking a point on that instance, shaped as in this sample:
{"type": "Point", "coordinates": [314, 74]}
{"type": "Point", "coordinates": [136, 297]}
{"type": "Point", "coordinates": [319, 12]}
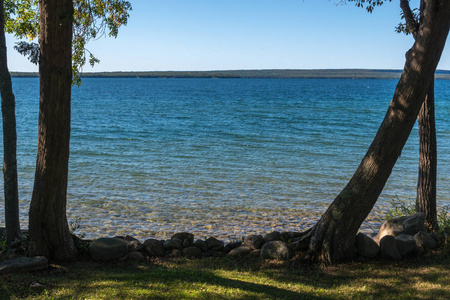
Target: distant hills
{"type": "Point", "coordinates": [324, 73]}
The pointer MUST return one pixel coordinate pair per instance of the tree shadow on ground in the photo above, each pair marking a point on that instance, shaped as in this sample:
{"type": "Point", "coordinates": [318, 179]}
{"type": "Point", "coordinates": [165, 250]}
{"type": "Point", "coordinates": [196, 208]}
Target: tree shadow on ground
{"type": "Point", "coordinates": [235, 278]}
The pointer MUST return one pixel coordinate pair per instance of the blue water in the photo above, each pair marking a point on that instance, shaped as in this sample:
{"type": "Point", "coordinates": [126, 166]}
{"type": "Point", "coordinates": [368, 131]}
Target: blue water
{"type": "Point", "coordinates": [219, 156]}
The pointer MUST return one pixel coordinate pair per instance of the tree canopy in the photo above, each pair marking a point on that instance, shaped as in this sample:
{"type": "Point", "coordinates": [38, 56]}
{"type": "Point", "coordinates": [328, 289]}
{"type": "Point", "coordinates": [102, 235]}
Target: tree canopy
{"type": "Point", "coordinates": [92, 19]}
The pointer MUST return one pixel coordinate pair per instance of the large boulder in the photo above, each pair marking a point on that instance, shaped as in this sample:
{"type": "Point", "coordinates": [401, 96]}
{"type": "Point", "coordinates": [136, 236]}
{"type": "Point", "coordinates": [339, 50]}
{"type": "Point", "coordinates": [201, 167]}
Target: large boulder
{"type": "Point", "coordinates": [240, 251]}
{"type": "Point", "coordinates": [136, 256]}
{"type": "Point", "coordinates": [201, 244]}
{"type": "Point", "coordinates": [23, 264]}
{"type": "Point", "coordinates": [214, 244]}
{"type": "Point", "coordinates": [108, 249]}
{"type": "Point", "coordinates": [186, 238]}
{"type": "Point", "coordinates": [366, 246]}
{"type": "Point", "coordinates": [405, 244]}
{"type": "Point", "coordinates": [192, 252]}
{"type": "Point", "coordinates": [254, 241]}
{"type": "Point", "coordinates": [425, 241]}
{"type": "Point", "coordinates": [276, 250]}
{"type": "Point", "coordinates": [273, 236]}
{"type": "Point", "coordinates": [230, 246]}
{"type": "Point", "coordinates": [411, 225]}
{"type": "Point", "coordinates": [388, 248]}
{"type": "Point", "coordinates": [154, 247]}
{"type": "Point", "coordinates": [173, 244]}
{"type": "Point", "coordinates": [135, 246]}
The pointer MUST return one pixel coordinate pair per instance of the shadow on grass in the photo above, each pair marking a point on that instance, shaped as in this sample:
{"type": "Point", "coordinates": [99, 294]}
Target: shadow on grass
{"type": "Point", "coordinates": [234, 279]}
{"type": "Point", "coordinates": [122, 281]}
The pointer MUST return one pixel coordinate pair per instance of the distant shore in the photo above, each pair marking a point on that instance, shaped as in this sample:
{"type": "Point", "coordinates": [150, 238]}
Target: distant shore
{"type": "Point", "coordinates": [274, 73]}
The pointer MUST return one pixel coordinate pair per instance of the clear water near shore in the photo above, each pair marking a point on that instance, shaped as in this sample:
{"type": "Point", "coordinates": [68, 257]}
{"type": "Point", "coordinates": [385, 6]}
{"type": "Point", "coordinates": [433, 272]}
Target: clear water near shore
{"type": "Point", "coordinates": [224, 157]}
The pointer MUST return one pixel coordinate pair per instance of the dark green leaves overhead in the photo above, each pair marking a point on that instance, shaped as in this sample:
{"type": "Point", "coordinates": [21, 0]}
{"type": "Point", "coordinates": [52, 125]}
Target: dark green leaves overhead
{"type": "Point", "coordinates": [368, 4]}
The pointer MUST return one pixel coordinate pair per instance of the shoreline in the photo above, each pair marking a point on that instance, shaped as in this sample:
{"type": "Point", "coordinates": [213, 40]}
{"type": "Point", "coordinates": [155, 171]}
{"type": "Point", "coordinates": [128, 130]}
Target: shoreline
{"type": "Point", "coordinates": [253, 74]}
{"type": "Point", "coordinates": [94, 225]}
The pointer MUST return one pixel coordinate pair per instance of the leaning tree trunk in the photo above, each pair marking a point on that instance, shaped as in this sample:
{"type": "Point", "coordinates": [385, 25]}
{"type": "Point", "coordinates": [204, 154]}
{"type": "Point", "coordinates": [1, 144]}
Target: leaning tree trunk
{"type": "Point", "coordinates": [9, 142]}
{"type": "Point", "coordinates": [332, 239]}
{"type": "Point", "coordinates": [426, 184]}
{"type": "Point", "coordinates": [49, 230]}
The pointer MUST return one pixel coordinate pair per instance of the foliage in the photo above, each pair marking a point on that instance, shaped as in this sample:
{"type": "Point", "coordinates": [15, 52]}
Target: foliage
{"type": "Point", "coordinates": [31, 50]}
{"type": "Point", "coordinates": [402, 27]}
{"type": "Point", "coordinates": [443, 216]}
{"type": "Point", "coordinates": [2, 243]}
{"type": "Point", "coordinates": [92, 19]}
{"type": "Point", "coordinates": [22, 18]}
{"type": "Point", "coordinates": [402, 208]}
{"type": "Point", "coordinates": [74, 225]}
{"type": "Point", "coordinates": [368, 4]}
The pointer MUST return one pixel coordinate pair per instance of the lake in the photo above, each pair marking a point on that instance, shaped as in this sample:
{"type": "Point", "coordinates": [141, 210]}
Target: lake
{"type": "Point", "coordinates": [222, 157]}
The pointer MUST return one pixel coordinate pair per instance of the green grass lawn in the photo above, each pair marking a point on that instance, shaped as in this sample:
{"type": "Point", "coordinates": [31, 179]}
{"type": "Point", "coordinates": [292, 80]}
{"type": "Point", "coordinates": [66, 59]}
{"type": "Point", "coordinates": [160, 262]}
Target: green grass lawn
{"type": "Point", "coordinates": [425, 277]}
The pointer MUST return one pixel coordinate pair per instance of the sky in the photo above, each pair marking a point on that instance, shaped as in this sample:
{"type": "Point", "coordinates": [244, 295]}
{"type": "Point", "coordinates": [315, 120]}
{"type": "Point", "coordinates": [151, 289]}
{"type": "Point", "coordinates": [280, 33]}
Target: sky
{"type": "Point", "coordinates": [197, 35]}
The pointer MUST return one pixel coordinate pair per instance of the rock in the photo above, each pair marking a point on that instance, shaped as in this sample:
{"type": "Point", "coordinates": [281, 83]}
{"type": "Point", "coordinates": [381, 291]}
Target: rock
{"type": "Point", "coordinates": [136, 256]}
{"type": "Point", "coordinates": [214, 244]}
{"type": "Point", "coordinates": [186, 238]}
{"type": "Point", "coordinates": [135, 245]}
{"type": "Point", "coordinates": [23, 264]}
{"type": "Point", "coordinates": [405, 244]}
{"type": "Point", "coordinates": [212, 253]}
{"type": "Point", "coordinates": [436, 236]}
{"type": "Point", "coordinates": [108, 249]}
{"type": "Point", "coordinates": [411, 225]}
{"type": "Point", "coordinates": [388, 248]}
{"type": "Point", "coordinates": [365, 246]}
{"type": "Point", "coordinates": [186, 243]}
{"type": "Point", "coordinates": [273, 236]}
{"type": "Point", "coordinates": [154, 247]}
{"type": "Point", "coordinates": [240, 251]}
{"type": "Point", "coordinates": [201, 245]}
{"type": "Point", "coordinates": [255, 253]}
{"type": "Point", "coordinates": [231, 246]}
{"type": "Point", "coordinates": [129, 238]}
{"type": "Point", "coordinates": [425, 241]}
{"type": "Point", "coordinates": [173, 244]}
{"type": "Point", "coordinates": [176, 252]}
{"type": "Point", "coordinates": [276, 250]}
{"type": "Point", "coordinates": [192, 252]}
{"type": "Point", "coordinates": [254, 241]}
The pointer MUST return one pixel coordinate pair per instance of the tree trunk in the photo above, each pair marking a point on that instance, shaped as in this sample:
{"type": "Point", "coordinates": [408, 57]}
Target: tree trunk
{"type": "Point", "coordinates": [333, 237]}
{"type": "Point", "coordinates": [49, 230]}
{"type": "Point", "coordinates": [9, 142]}
{"type": "Point", "coordinates": [426, 184]}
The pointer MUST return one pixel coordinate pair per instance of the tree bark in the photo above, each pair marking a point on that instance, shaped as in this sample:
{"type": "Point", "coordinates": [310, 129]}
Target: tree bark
{"type": "Point", "coordinates": [333, 237]}
{"type": "Point", "coordinates": [426, 183]}
{"type": "Point", "coordinates": [49, 230]}
{"type": "Point", "coordinates": [9, 142]}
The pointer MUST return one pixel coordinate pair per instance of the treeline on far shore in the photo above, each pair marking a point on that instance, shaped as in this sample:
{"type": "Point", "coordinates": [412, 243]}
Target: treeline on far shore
{"type": "Point", "coordinates": [328, 73]}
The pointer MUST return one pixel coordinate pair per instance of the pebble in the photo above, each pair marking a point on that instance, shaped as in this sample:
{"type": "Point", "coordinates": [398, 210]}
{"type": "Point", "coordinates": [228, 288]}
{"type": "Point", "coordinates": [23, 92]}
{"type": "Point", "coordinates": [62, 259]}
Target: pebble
{"type": "Point", "coordinates": [233, 224]}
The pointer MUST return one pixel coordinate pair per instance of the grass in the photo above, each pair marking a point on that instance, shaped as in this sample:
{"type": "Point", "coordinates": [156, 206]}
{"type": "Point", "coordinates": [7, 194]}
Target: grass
{"type": "Point", "coordinates": [425, 277]}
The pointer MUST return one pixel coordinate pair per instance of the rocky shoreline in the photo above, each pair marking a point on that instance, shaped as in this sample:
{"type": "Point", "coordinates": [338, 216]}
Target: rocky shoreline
{"type": "Point", "coordinates": [397, 238]}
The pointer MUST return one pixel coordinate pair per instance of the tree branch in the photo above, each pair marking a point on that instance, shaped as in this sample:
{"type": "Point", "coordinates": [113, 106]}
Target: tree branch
{"type": "Point", "coordinates": [412, 24]}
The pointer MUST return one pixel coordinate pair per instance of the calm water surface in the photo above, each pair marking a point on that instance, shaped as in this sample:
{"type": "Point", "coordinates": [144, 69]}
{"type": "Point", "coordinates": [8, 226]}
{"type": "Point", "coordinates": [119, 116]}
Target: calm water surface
{"type": "Point", "coordinates": [219, 156]}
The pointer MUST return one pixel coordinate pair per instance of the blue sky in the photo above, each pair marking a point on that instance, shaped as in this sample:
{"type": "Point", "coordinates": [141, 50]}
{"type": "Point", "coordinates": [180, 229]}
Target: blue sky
{"type": "Point", "coordinates": [249, 34]}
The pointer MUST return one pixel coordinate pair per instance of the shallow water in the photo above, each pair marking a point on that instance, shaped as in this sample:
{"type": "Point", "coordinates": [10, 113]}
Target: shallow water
{"type": "Point", "coordinates": [222, 157]}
